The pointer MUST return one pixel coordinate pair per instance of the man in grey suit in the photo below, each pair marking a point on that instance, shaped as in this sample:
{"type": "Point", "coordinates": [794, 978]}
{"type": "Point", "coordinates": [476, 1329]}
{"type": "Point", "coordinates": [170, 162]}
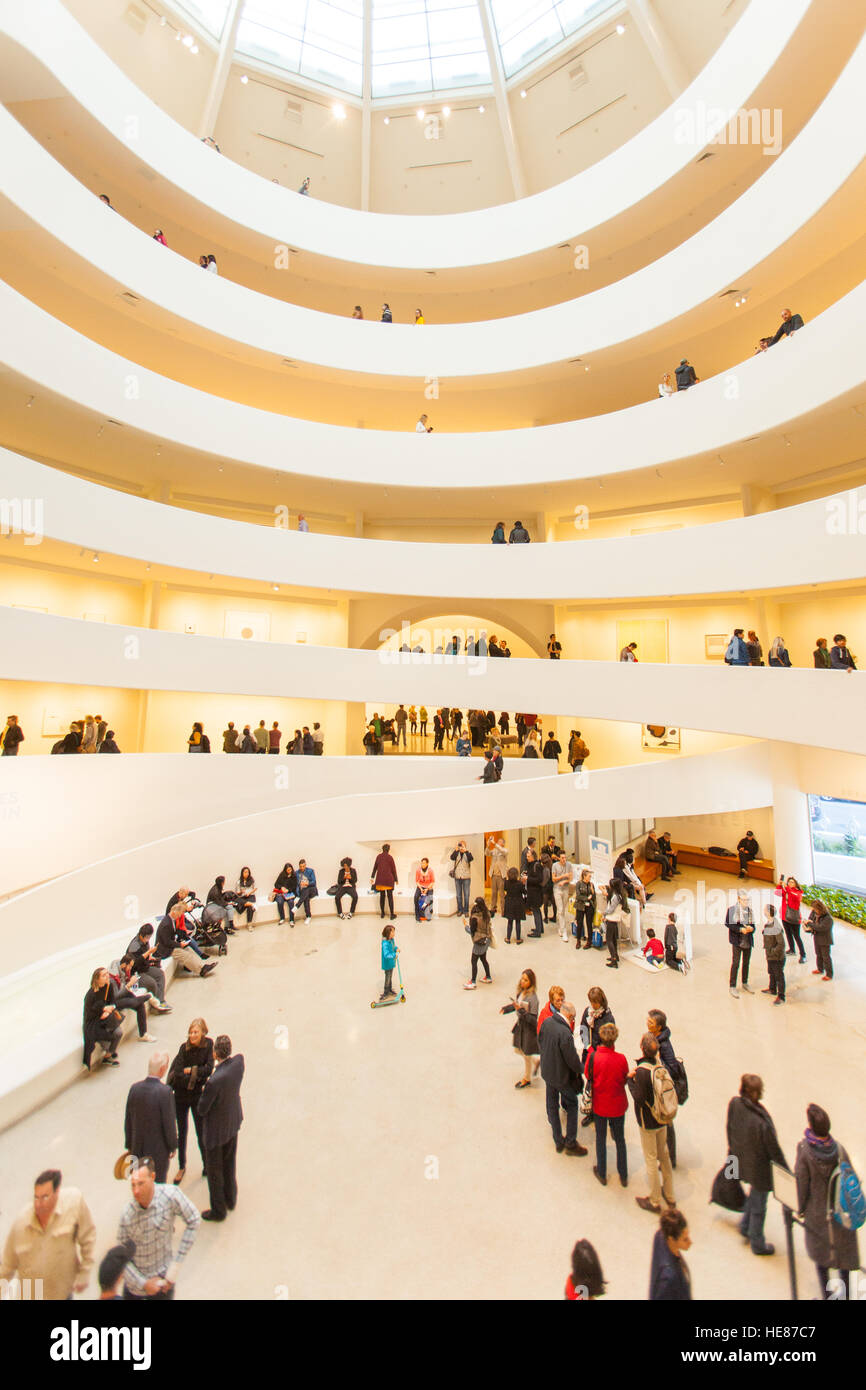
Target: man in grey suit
{"type": "Point", "coordinates": [220, 1105]}
{"type": "Point", "coordinates": [150, 1126]}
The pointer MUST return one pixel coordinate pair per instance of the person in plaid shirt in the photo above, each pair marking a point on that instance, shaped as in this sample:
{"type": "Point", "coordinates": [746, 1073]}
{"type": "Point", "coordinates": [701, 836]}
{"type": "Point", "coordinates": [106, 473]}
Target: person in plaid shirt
{"type": "Point", "coordinates": [148, 1221]}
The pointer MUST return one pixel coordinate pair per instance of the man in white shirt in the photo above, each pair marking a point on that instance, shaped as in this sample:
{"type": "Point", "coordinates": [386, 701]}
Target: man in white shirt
{"type": "Point", "coordinates": [498, 867]}
{"type": "Point", "coordinates": [561, 876]}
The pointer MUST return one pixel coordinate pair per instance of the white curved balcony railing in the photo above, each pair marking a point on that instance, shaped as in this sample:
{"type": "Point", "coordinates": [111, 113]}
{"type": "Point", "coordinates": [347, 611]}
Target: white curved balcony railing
{"type": "Point", "coordinates": [820, 365]}
{"type": "Point", "coordinates": [39, 791]}
{"type": "Point", "coordinates": [755, 702]}
{"type": "Point", "coordinates": [48, 34]}
{"type": "Point", "coordinates": [215, 313]}
{"type": "Point", "coordinates": [811, 543]}
{"type": "Point", "coordinates": [56, 934]}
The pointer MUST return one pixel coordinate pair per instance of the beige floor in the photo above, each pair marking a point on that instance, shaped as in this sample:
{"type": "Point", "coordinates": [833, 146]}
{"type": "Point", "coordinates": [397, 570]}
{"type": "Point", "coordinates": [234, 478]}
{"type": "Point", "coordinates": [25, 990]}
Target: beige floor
{"type": "Point", "coordinates": [386, 1154]}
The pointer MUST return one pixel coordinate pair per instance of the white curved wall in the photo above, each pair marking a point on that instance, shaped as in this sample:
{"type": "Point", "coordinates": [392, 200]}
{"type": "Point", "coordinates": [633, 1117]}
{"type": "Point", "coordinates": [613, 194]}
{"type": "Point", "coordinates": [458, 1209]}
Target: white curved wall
{"type": "Point", "coordinates": [773, 390]}
{"type": "Point", "coordinates": [93, 902]}
{"type": "Point", "coordinates": [48, 32]}
{"type": "Point", "coordinates": [759, 702]}
{"type": "Point", "coordinates": [794, 188]}
{"type": "Point", "coordinates": [39, 791]}
{"type": "Point", "coordinates": [773, 550]}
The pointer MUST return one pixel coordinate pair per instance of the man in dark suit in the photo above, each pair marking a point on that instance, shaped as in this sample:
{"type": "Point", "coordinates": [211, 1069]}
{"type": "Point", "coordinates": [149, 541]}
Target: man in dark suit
{"type": "Point", "coordinates": [220, 1105]}
{"type": "Point", "coordinates": [150, 1126]}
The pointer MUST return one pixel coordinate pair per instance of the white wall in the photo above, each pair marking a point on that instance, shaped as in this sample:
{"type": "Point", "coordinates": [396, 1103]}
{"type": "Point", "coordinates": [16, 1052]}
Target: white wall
{"type": "Point", "coordinates": [819, 365]}
{"type": "Point", "coordinates": [45, 29]}
{"type": "Point", "coordinates": [158, 795]}
{"type": "Point", "coordinates": [795, 187]}
{"type": "Point", "coordinates": [759, 702]}
{"type": "Point", "coordinates": [812, 543]}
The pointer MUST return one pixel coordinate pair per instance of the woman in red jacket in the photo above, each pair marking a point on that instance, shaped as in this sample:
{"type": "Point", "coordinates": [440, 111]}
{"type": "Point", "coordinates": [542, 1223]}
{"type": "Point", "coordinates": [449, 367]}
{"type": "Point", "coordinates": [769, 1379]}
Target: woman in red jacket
{"type": "Point", "coordinates": [384, 880]}
{"type": "Point", "coordinates": [606, 1071]}
{"type": "Point", "coordinates": [791, 894]}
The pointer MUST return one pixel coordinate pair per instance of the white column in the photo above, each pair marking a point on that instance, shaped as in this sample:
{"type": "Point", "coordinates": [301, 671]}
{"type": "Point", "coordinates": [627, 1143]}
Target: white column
{"type": "Point", "coordinates": [661, 46]}
{"type": "Point", "coordinates": [367, 105]}
{"type": "Point", "coordinates": [503, 110]}
{"type": "Point", "coordinates": [220, 77]}
{"type": "Point", "coordinates": [793, 850]}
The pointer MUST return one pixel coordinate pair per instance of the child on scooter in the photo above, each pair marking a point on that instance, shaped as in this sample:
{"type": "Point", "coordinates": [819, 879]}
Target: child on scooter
{"type": "Point", "coordinates": [389, 959]}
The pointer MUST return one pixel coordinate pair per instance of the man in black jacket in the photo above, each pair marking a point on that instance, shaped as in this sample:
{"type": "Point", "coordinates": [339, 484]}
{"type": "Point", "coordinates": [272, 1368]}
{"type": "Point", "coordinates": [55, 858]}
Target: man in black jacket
{"type": "Point", "coordinates": [148, 969]}
{"type": "Point", "coordinates": [220, 1105]}
{"type": "Point", "coordinates": [653, 1136]}
{"type": "Point", "coordinates": [172, 942]}
{"type": "Point", "coordinates": [150, 1125]}
{"type": "Point", "coordinates": [740, 922]}
{"type": "Point", "coordinates": [562, 1074]}
{"type": "Point", "coordinates": [790, 323]}
{"type": "Point", "coordinates": [747, 850]}
{"type": "Point", "coordinates": [753, 1144]}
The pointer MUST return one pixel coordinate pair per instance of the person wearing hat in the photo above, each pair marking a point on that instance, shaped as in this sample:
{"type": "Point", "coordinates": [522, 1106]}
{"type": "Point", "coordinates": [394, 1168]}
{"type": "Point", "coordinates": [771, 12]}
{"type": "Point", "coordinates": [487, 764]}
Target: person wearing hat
{"type": "Point", "coordinates": [111, 1269]}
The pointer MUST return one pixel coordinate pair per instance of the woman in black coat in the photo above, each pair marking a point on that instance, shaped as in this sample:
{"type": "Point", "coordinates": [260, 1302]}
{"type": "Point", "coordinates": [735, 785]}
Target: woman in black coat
{"type": "Point", "coordinates": [218, 897]}
{"type": "Point", "coordinates": [515, 905]}
{"type": "Point", "coordinates": [534, 879]}
{"type": "Point", "coordinates": [103, 1023]}
{"type": "Point", "coordinates": [593, 1018]}
{"type": "Point", "coordinates": [186, 1076]}
{"type": "Point", "coordinates": [820, 926]}
{"type": "Point", "coordinates": [670, 1281]}
{"type": "Point", "coordinates": [285, 893]}
{"type": "Point", "coordinates": [828, 1243]}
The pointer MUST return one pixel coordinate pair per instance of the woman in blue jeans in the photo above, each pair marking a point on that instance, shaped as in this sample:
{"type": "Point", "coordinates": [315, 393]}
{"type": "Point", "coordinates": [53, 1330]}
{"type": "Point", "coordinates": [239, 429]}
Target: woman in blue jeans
{"type": "Point", "coordinates": [606, 1071]}
{"type": "Point", "coordinates": [462, 860]}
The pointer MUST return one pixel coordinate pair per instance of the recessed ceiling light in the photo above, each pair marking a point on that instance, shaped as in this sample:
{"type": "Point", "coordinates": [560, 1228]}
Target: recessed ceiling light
{"type": "Point", "coordinates": [387, 120]}
{"type": "Point", "coordinates": [420, 113]}
{"type": "Point", "coordinates": [28, 403]}
{"type": "Point", "coordinates": [178, 36]}
{"type": "Point", "coordinates": [95, 557]}
{"type": "Point", "coordinates": [481, 109]}
{"type": "Point", "coordinates": [276, 588]}
{"type": "Point", "coordinates": [194, 48]}
{"type": "Point", "coordinates": [339, 111]}
{"type": "Point", "coordinates": [147, 568]}
{"type": "Point", "coordinates": [446, 110]}
{"type": "Point", "coordinates": [523, 93]}
{"type": "Point", "coordinates": [620, 28]}
{"type": "Point", "coordinates": [187, 40]}
{"type": "Point", "coordinates": [244, 78]}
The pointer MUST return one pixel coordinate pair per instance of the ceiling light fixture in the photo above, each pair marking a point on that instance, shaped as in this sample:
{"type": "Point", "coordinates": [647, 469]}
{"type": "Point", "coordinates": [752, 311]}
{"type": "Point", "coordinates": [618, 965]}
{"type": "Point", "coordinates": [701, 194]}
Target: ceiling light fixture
{"type": "Point", "coordinates": [244, 78]}
{"type": "Point", "coordinates": [187, 40]}
{"type": "Point", "coordinates": [28, 403]}
{"type": "Point", "coordinates": [481, 110]}
{"type": "Point", "coordinates": [96, 557]}
{"type": "Point", "coordinates": [620, 28]}
{"type": "Point", "coordinates": [523, 94]}
{"type": "Point", "coordinates": [446, 110]}
{"type": "Point", "coordinates": [387, 120]}
{"type": "Point", "coordinates": [276, 588]}
{"type": "Point", "coordinates": [339, 112]}
{"type": "Point", "coordinates": [194, 48]}
{"type": "Point", "coordinates": [420, 113]}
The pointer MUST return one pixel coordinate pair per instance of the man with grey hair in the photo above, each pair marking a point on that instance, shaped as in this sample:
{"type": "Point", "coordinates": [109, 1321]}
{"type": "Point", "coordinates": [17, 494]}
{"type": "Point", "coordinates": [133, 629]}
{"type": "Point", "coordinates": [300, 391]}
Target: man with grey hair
{"type": "Point", "coordinates": [150, 1126]}
{"type": "Point", "coordinates": [740, 922]}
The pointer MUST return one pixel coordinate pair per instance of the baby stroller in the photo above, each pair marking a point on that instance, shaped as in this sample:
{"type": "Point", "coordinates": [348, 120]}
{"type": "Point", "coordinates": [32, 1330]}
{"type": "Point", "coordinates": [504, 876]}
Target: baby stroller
{"type": "Point", "coordinates": [205, 925]}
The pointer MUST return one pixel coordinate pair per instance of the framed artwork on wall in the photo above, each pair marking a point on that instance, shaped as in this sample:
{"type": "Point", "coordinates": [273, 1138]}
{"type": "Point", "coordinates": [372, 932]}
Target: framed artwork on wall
{"type": "Point", "coordinates": [715, 645]}
{"type": "Point", "coordinates": [248, 627]}
{"type": "Point", "coordinates": [660, 736]}
{"type": "Point", "coordinates": [53, 725]}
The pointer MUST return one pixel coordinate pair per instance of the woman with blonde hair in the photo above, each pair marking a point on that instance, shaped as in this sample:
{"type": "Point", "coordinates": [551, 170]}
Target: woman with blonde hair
{"type": "Point", "coordinates": [187, 1076]}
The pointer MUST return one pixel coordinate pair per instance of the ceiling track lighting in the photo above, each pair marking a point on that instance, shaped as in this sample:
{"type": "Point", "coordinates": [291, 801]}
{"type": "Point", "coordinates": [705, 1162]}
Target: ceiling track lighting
{"type": "Point", "coordinates": [96, 557]}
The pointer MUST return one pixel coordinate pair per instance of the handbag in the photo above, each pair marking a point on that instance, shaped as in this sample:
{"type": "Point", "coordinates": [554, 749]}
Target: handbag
{"type": "Point", "coordinates": [122, 1166]}
{"type": "Point", "coordinates": [727, 1192]}
{"type": "Point", "coordinates": [792, 917]}
{"type": "Point", "coordinates": [333, 890]}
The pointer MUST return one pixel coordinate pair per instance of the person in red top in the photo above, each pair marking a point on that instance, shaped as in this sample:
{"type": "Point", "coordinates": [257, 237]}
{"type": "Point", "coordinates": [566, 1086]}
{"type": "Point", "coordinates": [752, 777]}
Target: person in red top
{"type": "Point", "coordinates": [606, 1071]}
{"type": "Point", "coordinates": [654, 949]}
{"type": "Point", "coordinates": [586, 1280]}
{"type": "Point", "coordinates": [567, 1010]}
{"type": "Point", "coordinates": [791, 894]}
{"type": "Point", "coordinates": [274, 738]}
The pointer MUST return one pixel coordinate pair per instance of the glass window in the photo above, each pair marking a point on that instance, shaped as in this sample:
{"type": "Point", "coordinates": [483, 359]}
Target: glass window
{"type": "Point", "coordinates": [838, 842]}
{"type": "Point", "coordinates": [210, 14]}
{"type": "Point", "coordinates": [525, 31]}
{"type": "Point", "coordinates": [427, 46]}
{"type": "Point", "coordinates": [320, 39]}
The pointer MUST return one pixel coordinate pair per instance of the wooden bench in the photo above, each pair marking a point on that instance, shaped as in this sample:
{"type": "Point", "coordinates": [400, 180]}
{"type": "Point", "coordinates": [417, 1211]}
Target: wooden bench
{"type": "Point", "coordinates": [647, 870]}
{"type": "Point", "coordinates": [723, 863]}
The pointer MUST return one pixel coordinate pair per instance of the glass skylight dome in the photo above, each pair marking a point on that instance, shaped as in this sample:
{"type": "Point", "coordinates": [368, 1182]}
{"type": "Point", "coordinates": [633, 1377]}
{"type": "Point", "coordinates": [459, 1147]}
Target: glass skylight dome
{"type": "Point", "coordinates": [414, 46]}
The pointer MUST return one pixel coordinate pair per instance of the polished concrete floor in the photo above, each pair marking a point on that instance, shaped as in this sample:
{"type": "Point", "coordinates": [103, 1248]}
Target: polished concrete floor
{"type": "Point", "coordinates": [386, 1154]}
